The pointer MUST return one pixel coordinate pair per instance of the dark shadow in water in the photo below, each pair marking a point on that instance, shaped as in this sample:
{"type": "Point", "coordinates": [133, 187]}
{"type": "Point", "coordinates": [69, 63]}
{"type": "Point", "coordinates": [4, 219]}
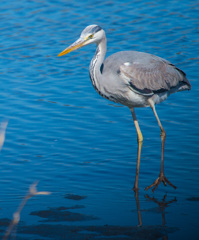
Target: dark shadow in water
{"type": "Point", "coordinates": [62, 214]}
{"type": "Point", "coordinates": [62, 231]}
{"type": "Point", "coordinates": [74, 196]}
{"type": "Point", "coordinates": [193, 199]}
{"type": "Point", "coordinates": [52, 230]}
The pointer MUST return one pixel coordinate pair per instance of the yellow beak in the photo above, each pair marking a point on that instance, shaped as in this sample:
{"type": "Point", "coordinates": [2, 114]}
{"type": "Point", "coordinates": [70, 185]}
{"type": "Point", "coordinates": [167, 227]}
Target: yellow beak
{"type": "Point", "coordinates": [76, 45]}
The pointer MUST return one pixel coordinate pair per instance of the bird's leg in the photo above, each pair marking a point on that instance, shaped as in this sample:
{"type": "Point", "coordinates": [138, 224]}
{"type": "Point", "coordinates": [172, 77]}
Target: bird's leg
{"type": "Point", "coordinates": [140, 141]}
{"type": "Point", "coordinates": [161, 177]}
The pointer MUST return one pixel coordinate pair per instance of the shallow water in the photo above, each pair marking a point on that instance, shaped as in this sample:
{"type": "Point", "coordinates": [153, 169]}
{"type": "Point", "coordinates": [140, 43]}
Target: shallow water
{"type": "Point", "coordinates": [81, 147]}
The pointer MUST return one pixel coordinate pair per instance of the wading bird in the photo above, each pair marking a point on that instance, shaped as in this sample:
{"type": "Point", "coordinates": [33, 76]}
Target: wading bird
{"type": "Point", "coordinates": [134, 79]}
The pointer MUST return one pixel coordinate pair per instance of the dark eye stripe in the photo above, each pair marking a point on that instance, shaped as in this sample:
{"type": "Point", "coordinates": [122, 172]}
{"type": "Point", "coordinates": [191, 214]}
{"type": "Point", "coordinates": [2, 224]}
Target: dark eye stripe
{"type": "Point", "coordinates": [96, 29]}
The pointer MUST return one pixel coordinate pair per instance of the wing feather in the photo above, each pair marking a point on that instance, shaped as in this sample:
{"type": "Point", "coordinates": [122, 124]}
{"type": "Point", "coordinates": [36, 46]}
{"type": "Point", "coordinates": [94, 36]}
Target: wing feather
{"type": "Point", "coordinates": [152, 75]}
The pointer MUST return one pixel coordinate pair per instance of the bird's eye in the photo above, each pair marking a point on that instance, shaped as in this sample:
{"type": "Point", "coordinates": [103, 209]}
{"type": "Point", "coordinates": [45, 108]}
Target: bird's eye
{"type": "Point", "coordinates": [90, 36]}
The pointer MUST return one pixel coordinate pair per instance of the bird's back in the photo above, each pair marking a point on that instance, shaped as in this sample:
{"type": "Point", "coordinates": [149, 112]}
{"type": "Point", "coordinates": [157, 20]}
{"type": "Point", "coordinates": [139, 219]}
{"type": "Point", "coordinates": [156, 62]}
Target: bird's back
{"type": "Point", "coordinates": [146, 72]}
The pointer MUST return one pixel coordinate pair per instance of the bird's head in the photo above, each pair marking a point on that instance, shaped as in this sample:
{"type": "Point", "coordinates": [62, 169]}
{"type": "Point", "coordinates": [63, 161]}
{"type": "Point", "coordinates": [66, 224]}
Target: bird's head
{"type": "Point", "coordinates": [91, 34]}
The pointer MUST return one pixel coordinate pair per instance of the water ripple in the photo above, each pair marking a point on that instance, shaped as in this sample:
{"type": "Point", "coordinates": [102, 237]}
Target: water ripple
{"type": "Point", "coordinates": [64, 134]}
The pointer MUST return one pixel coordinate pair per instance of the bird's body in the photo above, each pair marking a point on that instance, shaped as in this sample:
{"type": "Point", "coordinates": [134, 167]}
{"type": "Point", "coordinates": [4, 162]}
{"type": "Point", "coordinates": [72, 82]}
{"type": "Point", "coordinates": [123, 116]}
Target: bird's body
{"type": "Point", "coordinates": [134, 79]}
{"type": "Point", "coordinates": [131, 78]}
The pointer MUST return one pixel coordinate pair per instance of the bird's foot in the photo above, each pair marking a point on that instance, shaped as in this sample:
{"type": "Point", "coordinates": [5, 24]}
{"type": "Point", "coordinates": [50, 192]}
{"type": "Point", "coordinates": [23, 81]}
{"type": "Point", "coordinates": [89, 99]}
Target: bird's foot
{"type": "Point", "coordinates": [160, 179]}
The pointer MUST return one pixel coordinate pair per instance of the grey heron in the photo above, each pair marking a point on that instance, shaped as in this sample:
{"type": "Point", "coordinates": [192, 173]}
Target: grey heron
{"type": "Point", "coordinates": [134, 79]}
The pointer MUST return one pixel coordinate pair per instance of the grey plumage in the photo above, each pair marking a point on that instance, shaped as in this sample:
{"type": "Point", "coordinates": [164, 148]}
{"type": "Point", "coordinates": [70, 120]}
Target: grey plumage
{"type": "Point", "coordinates": [134, 79]}
{"type": "Point", "coordinates": [152, 74]}
{"type": "Point", "coordinates": [143, 73]}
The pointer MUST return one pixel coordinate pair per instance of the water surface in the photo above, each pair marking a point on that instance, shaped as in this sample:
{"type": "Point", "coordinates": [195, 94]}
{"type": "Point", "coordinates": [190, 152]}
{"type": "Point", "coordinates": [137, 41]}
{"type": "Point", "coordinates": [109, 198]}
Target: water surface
{"type": "Point", "coordinates": [83, 148]}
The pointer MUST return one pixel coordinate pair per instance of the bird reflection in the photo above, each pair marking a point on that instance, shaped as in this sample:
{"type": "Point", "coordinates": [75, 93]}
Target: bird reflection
{"type": "Point", "coordinates": [162, 205]}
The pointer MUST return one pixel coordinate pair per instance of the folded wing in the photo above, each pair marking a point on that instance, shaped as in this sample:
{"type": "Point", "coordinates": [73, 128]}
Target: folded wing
{"type": "Point", "coordinates": [153, 75]}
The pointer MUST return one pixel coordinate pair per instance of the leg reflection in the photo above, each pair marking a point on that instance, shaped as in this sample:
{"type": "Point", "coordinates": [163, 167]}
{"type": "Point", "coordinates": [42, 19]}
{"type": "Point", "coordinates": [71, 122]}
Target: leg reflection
{"type": "Point", "coordinates": [162, 204]}
{"type": "Point", "coordinates": [138, 208]}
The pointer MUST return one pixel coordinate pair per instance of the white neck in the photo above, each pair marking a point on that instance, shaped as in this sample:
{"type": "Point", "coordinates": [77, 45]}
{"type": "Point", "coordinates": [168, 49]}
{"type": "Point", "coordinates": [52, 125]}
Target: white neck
{"type": "Point", "coordinates": [95, 68]}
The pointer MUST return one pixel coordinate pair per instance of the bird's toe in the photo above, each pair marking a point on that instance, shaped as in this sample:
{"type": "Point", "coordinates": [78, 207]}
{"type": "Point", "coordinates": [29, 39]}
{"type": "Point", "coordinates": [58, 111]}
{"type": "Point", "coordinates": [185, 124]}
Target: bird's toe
{"type": "Point", "coordinates": [160, 179]}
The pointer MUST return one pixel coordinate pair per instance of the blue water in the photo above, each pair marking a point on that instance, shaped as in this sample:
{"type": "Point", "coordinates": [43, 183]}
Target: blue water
{"type": "Point", "coordinates": [75, 143]}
